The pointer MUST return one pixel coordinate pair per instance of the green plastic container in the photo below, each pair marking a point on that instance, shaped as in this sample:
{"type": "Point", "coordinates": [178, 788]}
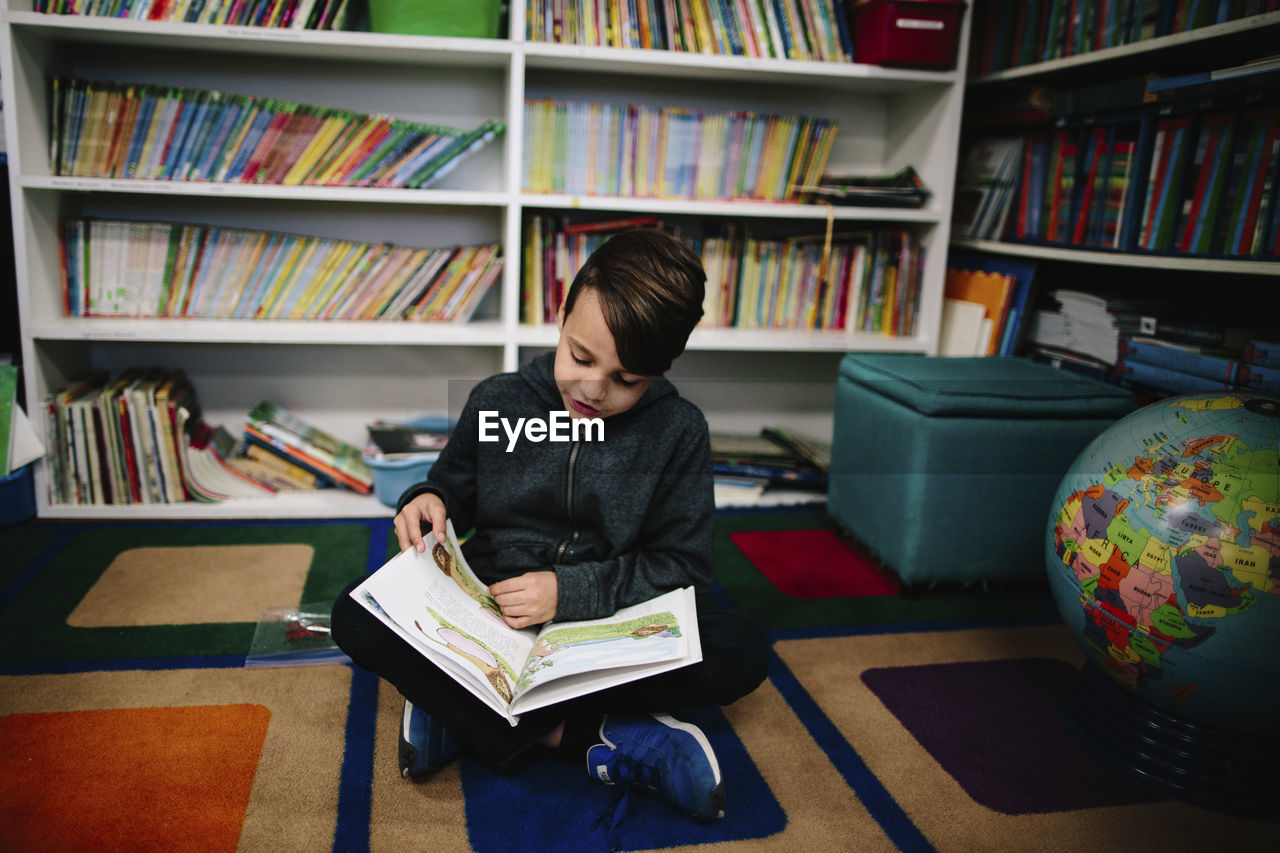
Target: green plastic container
{"type": "Point", "coordinates": [471, 19]}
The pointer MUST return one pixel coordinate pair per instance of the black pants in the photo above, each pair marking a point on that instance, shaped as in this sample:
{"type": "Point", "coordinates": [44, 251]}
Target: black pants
{"type": "Point", "coordinates": [735, 660]}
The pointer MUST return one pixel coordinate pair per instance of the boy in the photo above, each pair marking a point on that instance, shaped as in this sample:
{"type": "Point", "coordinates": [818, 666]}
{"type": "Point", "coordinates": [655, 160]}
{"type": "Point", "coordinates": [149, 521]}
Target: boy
{"type": "Point", "coordinates": [576, 530]}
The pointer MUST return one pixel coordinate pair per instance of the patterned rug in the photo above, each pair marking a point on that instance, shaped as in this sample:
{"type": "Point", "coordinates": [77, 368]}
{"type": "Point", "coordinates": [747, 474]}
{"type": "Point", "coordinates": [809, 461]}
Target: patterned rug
{"type": "Point", "coordinates": [934, 721]}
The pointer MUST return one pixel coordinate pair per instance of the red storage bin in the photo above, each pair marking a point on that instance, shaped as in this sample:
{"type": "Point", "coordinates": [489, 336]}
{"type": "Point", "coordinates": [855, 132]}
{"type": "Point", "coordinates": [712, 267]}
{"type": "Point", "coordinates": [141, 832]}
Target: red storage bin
{"type": "Point", "coordinates": [907, 33]}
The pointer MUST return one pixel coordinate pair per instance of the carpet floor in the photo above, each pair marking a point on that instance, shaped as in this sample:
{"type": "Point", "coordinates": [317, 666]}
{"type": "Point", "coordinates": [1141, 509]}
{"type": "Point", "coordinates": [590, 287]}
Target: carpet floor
{"type": "Point", "coordinates": [931, 721]}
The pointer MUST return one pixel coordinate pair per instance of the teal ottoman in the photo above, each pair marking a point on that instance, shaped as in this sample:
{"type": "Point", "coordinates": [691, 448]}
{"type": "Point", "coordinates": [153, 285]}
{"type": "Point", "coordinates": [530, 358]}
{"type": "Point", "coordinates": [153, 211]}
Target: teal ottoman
{"type": "Point", "coordinates": [945, 467]}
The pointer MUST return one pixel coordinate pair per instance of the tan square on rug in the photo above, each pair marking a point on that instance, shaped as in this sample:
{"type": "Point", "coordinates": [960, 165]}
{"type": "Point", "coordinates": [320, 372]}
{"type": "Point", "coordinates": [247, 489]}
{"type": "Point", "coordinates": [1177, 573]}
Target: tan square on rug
{"type": "Point", "coordinates": [191, 586]}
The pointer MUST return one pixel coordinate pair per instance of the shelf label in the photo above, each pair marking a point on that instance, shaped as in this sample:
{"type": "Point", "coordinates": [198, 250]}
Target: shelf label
{"type": "Point", "coordinates": [110, 335]}
{"type": "Point", "coordinates": [76, 183]}
{"type": "Point", "coordinates": [919, 24]}
{"type": "Point", "coordinates": [266, 33]}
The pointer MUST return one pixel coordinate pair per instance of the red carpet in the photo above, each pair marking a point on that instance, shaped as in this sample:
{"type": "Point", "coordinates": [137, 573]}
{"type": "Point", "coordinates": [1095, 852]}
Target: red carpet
{"type": "Point", "coordinates": [812, 564]}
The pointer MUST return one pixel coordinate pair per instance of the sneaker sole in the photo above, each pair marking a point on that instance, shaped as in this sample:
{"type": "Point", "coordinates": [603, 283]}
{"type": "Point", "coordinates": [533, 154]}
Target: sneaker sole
{"type": "Point", "coordinates": [404, 738]}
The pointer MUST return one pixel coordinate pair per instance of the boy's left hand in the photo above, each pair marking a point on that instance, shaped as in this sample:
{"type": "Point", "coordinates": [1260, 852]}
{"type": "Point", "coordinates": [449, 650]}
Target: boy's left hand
{"type": "Point", "coordinates": [529, 599]}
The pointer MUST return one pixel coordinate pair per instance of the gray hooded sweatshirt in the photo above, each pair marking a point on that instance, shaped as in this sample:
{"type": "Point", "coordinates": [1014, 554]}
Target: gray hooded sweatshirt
{"type": "Point", "coordinates": [618, 520]}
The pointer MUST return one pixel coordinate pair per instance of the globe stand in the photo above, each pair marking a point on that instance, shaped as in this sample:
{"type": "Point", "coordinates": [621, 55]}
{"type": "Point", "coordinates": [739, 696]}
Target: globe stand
{"type": "Point", "coordinates": [1229, 772]}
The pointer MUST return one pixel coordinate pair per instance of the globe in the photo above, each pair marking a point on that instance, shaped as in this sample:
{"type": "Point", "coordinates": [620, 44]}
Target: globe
{"type": "Point", "coordinates": [1163, 556]}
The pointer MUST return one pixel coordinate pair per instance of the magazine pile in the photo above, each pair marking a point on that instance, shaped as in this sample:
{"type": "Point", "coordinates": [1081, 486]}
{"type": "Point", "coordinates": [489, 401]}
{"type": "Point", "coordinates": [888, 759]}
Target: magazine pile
{"type": "Point", "coordinates": [435, 602]}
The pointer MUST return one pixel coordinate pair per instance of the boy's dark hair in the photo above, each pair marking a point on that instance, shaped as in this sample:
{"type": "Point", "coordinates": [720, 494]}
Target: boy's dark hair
{"type": "Point", "coordinates": [650, 286]}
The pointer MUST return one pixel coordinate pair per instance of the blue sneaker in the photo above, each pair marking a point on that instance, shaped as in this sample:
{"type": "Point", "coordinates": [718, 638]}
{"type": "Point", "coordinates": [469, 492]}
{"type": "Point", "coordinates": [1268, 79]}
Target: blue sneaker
{"type": "Point", "coordinates": [425, 745]}
{"type": "Point", "coordinates": [671, 759]}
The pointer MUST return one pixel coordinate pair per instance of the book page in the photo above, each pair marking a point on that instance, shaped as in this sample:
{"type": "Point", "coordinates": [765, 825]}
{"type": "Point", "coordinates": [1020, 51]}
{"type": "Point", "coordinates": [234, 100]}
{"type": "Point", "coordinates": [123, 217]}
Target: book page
{"type": "Point", "coordinates": [438, 604]}
{"type": "Point", "coordinates": [634, 642]}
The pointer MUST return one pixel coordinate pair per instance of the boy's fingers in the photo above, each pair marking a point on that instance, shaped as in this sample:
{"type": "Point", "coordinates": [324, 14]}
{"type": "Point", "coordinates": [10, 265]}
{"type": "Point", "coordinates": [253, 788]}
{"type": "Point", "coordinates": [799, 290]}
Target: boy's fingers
{"type": "Point", "coordinates": [409, 532]}
{"type": "Point", "coordinates": [438, 523]}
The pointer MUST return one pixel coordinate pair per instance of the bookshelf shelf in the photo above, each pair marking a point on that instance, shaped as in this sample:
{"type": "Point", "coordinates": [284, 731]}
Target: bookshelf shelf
{"type": "Point", "coordinates": [342, 46]}
{"type": "Point", "coordinates": [325, 503]}
{"type": "Point", "coordinates": [338, 332]}
{"type": "Point", "coordinates": [667, 63]}
{"type": "Point", "coordinates": [340, 375]}
{"type": "Point", "coordinates": [745, 209]}
{"type": "Point", "coordinates": [359, 195]}
{"type": "Point", "coordinates": [1136, 57]}
{"type": "Point", "coordinates": [1117, 259]}
{"type": "Point", "coordinates": [758, 340]}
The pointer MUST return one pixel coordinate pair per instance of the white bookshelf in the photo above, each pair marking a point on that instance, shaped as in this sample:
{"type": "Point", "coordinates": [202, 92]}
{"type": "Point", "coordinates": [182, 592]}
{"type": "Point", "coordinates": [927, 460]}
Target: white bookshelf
{"type": "Point", "coordinates": [340, 375]}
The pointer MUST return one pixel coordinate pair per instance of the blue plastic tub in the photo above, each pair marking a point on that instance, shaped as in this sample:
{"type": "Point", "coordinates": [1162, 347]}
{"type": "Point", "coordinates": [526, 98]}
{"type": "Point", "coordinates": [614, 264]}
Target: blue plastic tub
{"type": "Point", "coordinates": [392, 476]}
{"type": "Point", "coordinates": [17, 497]}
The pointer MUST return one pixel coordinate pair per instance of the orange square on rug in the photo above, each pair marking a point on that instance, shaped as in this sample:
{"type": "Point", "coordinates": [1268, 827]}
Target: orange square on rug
{"type": "Point", "coordinates": [142, 778]}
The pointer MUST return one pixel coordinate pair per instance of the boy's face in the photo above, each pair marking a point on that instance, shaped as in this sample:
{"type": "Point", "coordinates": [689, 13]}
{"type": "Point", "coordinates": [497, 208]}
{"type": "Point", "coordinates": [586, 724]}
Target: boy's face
{"type": "Point", "coordinates": [592, 382]}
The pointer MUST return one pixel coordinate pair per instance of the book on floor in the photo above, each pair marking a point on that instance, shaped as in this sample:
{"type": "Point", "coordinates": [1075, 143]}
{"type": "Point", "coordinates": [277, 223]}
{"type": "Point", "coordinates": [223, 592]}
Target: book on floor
{"type": "Point", "coordinates": [436, 603]}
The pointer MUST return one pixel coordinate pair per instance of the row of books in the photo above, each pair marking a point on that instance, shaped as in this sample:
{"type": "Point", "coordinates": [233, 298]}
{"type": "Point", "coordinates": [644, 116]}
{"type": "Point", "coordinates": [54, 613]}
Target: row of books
{"type": "Point", "coordinates": [140, 438]}
{"type": "Point", "coordinates": [1200, 182]}
{"type": "Point", "coordinates": [1172, 368]}
{"type": "Point", "coordinates": [122, 440]}
{"type": "Point", "coordinates": [780, 29]}
{"type": "Point", "coordinates": [986, 304]}
{"type": "Point", "coordinates": [285, 14]}
{"type": "Point", "coordinates": [866, 280]}
{"type": "Point", "coordinates": [158, 269]}
{"type": "Point", "coordinates": [111, 129]}
{"type": "Point", "coordinates": [1013, 33]}
{"type": "Point", "coordinates": [594, 149]}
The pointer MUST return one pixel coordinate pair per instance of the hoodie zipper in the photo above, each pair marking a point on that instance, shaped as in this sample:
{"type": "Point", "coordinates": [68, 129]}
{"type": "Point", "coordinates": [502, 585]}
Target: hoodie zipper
{"type": "Point", "coordinates": [568, 500]}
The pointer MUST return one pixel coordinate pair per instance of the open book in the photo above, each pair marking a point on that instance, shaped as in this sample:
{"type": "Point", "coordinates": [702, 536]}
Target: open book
{"type": "Point", "coordinates": [434, 601]}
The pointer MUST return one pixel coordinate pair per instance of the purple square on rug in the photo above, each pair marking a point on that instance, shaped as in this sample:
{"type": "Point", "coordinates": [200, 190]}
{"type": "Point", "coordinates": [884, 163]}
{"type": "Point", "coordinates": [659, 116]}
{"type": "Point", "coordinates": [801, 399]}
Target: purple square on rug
{"type": "Point", "coordinates": [547, 804]}
{"type": "Point", "coordinates": [997, 728]}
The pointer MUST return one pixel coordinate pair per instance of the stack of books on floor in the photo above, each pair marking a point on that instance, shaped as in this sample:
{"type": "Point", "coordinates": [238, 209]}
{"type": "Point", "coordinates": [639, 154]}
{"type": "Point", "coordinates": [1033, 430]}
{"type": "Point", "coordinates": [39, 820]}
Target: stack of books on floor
{"type": "Point", "coordinates": [775, 466]}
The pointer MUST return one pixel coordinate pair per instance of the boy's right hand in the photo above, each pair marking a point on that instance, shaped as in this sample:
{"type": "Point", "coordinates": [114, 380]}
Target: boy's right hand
{"type": "Point", "coordinates": [426, 511]}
